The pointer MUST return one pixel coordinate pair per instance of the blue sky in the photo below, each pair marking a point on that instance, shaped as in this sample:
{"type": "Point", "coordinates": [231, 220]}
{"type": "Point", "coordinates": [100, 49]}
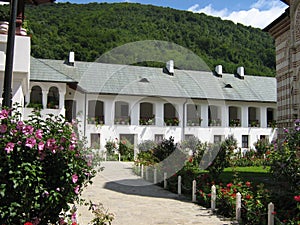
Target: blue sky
{"type": "Point", "coordinates": [256, 13]}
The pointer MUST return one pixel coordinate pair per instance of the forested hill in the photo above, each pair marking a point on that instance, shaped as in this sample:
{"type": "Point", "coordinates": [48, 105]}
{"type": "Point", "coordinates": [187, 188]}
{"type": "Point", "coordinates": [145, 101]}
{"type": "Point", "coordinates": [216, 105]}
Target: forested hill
{"type": "Point", "coordinates": [93, 29]}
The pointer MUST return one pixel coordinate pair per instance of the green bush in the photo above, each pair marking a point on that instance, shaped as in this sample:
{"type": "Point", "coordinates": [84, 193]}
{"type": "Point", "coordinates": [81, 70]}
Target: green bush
{"type": "Point", "coordinates": [126, 149]}
{"type": "Point", "coordinates": [164, 149]}
{"type": "Point", "coordinates": [285, 159]}
{"type": "Point", "coordinates": [147, 145]}
{"type": "Point", "coordinates": [261, 147]}
{"type": "Point", "coordinates": [222, 158]}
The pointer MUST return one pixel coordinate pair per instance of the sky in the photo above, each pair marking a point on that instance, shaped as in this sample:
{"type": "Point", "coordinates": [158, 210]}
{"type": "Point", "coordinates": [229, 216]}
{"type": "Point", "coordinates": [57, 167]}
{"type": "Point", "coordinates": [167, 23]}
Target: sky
{"type": "Point", "coordinates": [255, 13]}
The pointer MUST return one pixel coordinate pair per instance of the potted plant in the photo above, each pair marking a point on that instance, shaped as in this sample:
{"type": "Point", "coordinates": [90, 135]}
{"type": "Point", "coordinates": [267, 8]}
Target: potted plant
{"type": "Point", "coordinates": [175, 121]}
{"type": "Point", "coordinates": [35, 105]}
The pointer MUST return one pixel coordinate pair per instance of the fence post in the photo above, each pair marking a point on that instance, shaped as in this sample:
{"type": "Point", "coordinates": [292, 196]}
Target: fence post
{"type": "Point", "coordinates": [238, 206]}
{"type": "Point", "coordinates": [194, 191]}
{"type": "Point", "coordinates": [213, 198]}
{"type": "Point", "coordinates": [165, 180]}
{"type": "Point", "coordinates": [271, 214]}
{"type": "Point", "coordinates": [179, 185]}
{"type": "Point", "coordinates": [142, 171]}
{"type": "Point", "coordinates": [147, 173]}
{"type": "Point", "coordinates": [155, 176]}
{"type": "Point", "coordinates": [119, 157]}
{"type": "Point", "coordinates": [138, 169]}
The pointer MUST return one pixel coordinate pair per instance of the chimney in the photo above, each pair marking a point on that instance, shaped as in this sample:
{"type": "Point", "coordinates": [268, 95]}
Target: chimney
{"type": "Point", "coordinates": [170, 67]}
{"type": "Point", "coordinates": [71, 58]}
{"type": "Point", "coordinates": [219, 70]}
{"type": "Point", "coordinates": [241, 72]}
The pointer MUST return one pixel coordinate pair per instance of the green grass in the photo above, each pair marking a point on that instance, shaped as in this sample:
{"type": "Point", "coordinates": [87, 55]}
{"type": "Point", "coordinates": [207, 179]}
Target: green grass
{"type": "Point", "coordinates": [254, 174]}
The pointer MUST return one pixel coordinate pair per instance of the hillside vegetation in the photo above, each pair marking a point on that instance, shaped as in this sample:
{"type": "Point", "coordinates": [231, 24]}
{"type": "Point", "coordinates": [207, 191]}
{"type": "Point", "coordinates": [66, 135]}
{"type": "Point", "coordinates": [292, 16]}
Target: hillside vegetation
{"type": "Point", "coordinates": [93, 29]}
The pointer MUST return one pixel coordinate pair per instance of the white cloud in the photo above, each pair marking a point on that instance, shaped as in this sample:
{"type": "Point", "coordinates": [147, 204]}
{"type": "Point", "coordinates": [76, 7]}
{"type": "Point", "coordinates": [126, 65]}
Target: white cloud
{"type": "Point", "coordinates": [260, 14]}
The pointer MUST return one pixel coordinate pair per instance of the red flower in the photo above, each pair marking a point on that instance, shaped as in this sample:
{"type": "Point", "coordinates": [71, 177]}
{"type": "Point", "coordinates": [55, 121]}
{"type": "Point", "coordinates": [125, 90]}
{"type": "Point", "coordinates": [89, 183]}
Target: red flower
{"type": "Point", "coordinates": [229, 185]}
{"type": "Point", "coordinates": [297, 198]}
{"type": "Point", "coordinates": [74, 223]}
{"type": "Point", "coordinates": [208, 195]}
{"type": "Point", "coordinates": [28, 223]}
{"type": "Point", "coordinates": [274, 213]}
{"type": "Point", "coordinates": [248, 184]}
{"type": "Point", "coordinates": [248, 196]}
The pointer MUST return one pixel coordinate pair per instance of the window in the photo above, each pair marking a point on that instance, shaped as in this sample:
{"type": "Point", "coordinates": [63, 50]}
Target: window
{"type": "Point", "coordinates": [188, 136]}
{"type": "Point", "coordinates": [70, 106]}
{"type": "Point", "coordinates": [193, 115]}
{"type": "Point", "coordinates": [264, 137]}
{"type": "Point", "coordinates": [218, 139]}
{"type": "Point", "coordinates": [122, 113]}
{"type": "Point", "coordinates": [95, 112]}
{"type": "Point", "coordinates": [36, 95]}
{"type": "Point", "coordinates": [95, 141]}
{"type": "Point", "coordinates": [158, 138]}
{"type": "Point", "coordinates": [124, 110]}
{"type": "Point", "coordinates": [245, 141]}
{"type": "Point", "coordinates": [170, 115]}
{"type": "Point", "coordinates": [53, 98]}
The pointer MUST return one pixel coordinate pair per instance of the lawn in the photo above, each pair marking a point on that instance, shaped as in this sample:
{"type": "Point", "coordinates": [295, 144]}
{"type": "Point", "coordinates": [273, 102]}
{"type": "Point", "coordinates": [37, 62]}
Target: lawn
{"type": "Point", "coordinates": [254, 174]}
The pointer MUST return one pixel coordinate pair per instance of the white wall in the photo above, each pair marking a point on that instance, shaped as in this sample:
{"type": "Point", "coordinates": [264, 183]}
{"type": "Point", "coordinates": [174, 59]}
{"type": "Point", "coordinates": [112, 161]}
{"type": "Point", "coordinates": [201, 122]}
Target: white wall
{"type": "Point", "coordinates": [206, 134]}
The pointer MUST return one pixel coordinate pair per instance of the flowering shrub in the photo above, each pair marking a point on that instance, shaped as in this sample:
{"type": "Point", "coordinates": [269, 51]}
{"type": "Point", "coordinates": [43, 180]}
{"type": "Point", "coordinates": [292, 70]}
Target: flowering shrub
{"type": "Point", "coordinates": [254, 200]}
{"type": "Point", "coordinates": [126, 150]}
{"type": "Point", "coordinates": [112, 148]}
{"type": "Point", "coordinates": [42, 168]}
{"type": "Point", "coordinates": [222, 157]}
{"type": "Point", "coordinates": [285, 159]}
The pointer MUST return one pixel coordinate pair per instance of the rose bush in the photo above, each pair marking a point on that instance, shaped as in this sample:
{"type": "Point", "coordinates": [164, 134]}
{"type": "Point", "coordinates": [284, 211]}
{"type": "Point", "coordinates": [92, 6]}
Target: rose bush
{"type": "Point", "coordinates": [43, 168]}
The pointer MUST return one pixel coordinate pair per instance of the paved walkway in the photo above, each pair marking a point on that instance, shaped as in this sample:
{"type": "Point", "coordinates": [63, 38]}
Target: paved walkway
{"type": "Point", "coordinates": [137, 202]}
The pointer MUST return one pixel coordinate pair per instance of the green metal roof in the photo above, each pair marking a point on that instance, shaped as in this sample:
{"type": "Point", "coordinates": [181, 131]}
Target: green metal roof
{"type": "Point", "coordinates": [147, 81]}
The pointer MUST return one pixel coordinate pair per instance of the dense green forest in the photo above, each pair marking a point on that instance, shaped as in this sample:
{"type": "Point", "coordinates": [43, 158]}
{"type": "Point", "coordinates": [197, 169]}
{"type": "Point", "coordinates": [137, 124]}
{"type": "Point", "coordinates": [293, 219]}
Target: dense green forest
{"type": "Point", "coordinates": [93, 29]}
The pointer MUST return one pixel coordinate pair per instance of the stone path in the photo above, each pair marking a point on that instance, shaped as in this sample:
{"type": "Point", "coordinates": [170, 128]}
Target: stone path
{"type": "Point", "coordinates": [134, 201]}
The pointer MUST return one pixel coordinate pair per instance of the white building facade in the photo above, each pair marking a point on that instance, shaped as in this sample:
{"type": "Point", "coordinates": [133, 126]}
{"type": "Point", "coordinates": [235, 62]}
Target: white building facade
{"type": "Point", "coordinates": [143, 103]}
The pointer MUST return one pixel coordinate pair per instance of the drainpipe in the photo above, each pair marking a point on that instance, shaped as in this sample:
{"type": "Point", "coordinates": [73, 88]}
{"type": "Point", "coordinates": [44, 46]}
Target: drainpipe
{"type": "Point", "coordinates": [84, 114]}
{"type": "Point", "coordinates": [183, 120]}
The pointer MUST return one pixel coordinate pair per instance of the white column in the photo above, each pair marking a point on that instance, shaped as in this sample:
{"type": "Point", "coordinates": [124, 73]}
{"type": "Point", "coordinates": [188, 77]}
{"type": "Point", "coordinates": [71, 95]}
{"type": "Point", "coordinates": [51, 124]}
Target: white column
{"type": "Point", "coordinates": [159, 114]}
{"type": "Point", "coordinates": [45, 94]}
{"type": "Point", "coordinates": [224, 115]}
{"type": "Point", "coordinates": [263, 117]}
{"type": "Point", "coordinates": [244, 119]}
{"type": "Point", "coordinates": [109, 112]}
{"type": "Point", "coordinates": [135, 114]}
{"type": "Point", "coordinates": [27, 97]}
{"type": "Point", "coordinates": [62, 100]}
{"type": "Point", "coordinates": [204, 115]}
{"type": "Point", "coordinates": [180, 114]}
